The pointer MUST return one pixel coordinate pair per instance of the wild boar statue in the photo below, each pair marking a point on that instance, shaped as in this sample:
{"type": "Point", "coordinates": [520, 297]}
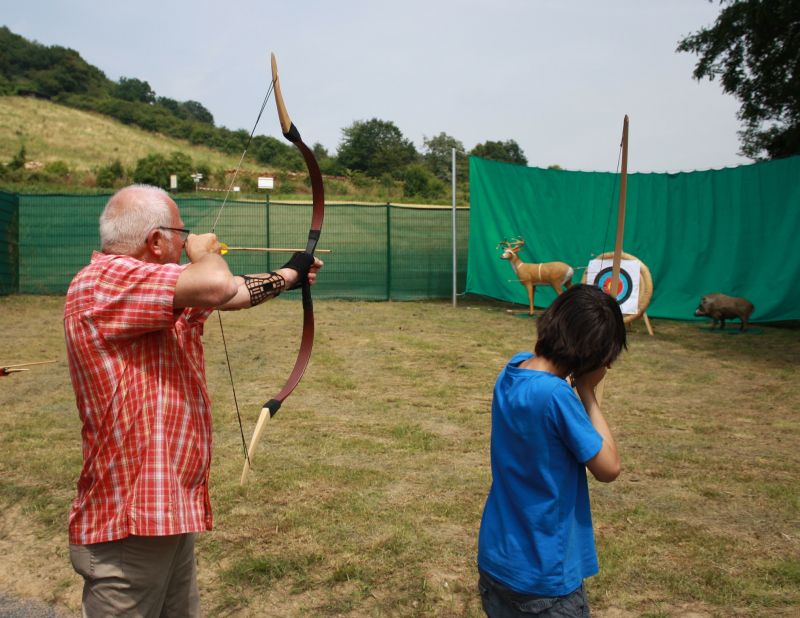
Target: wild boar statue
{"type": "Point", "coordinates": [720, 307]}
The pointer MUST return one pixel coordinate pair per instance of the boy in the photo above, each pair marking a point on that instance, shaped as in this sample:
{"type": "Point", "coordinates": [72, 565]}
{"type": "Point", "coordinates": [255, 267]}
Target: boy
{"type": "Point", "coordinates": [536, 543]}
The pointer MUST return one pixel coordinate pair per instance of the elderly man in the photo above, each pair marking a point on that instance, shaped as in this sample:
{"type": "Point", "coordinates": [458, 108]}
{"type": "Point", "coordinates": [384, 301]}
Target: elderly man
{"type": "Point", "coordinates": [133, 322]}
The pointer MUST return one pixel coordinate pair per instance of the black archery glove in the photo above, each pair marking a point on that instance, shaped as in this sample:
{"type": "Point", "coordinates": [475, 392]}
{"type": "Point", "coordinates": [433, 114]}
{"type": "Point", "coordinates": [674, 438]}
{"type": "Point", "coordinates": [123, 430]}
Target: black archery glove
{"type": "Point", "coordinates": [300, 262]}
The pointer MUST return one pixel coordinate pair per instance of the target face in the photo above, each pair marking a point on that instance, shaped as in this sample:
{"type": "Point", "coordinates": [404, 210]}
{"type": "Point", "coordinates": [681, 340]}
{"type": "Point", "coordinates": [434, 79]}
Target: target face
{"type": "Point", "coordinates": [627, 294]}
{"type": "Point", "coordinates": [624, 286]}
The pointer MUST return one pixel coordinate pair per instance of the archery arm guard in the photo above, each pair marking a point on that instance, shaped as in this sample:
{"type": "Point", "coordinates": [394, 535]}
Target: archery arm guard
{"type": "Point", "coordinates": [264, 288]}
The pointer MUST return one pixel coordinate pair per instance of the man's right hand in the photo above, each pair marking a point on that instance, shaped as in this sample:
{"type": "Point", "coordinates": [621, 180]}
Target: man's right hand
{"type": "Point", "coordinates": [200, 245]}
{"type": "Point", "coordinates": [207, 281]}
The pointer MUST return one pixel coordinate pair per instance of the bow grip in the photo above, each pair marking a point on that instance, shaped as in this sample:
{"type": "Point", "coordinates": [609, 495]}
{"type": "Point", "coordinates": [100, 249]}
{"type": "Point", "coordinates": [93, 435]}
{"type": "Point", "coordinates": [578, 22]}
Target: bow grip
{"type": "Point", "coordinates": [313, 238]}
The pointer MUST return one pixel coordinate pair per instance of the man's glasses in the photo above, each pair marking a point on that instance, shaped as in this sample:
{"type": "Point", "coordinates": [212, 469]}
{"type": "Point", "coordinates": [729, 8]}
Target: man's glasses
{"type": "Point", "coordinates": [182, 231]}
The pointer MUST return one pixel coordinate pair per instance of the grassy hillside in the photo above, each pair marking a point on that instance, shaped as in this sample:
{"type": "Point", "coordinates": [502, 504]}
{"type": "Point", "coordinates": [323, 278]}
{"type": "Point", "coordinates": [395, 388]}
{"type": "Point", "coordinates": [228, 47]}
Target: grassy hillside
{"type": "Point", "coordinates": [84, 140]}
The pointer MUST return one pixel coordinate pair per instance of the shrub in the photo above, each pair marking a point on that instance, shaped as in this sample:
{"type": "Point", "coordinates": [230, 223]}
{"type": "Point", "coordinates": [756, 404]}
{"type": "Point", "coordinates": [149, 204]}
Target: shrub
{"type": "Point", "coordinates": [108, 175]}
{"type": "Point", "coordinates": [57, 169]}
{"type": "Point", "coordinates": [418, 181]}
{"type": "Point", "coordinates": [152, 170]}
{"type": "Point", "coordinates": [18, 160]}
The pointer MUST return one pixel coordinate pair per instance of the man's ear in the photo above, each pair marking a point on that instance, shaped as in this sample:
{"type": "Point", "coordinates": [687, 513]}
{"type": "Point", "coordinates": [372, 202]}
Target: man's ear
{"type": "Point", "coordinates": [156, 242]}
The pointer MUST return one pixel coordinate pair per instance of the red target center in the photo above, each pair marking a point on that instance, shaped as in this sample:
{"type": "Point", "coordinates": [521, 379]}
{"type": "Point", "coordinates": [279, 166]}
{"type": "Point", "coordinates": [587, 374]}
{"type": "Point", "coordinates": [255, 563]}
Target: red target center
{"type": "Point", "coordinates": [607, 287]}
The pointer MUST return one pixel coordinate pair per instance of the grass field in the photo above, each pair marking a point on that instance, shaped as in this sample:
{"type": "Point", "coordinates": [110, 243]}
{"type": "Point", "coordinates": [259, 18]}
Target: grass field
{"type": "Point", "coordinates": [368, 486]}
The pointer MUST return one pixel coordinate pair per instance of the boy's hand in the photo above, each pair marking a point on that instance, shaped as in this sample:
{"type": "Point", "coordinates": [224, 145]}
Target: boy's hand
{"type": "Point", "coordinates": [591, 379]}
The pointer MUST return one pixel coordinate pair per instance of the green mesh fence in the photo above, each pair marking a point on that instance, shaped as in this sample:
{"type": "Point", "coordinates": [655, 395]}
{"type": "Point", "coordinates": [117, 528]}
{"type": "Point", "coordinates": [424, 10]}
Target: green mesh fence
{"type": "Point", "coordinates": [9, 280]}
{"type": "Point", "coordinates": [387, 252]}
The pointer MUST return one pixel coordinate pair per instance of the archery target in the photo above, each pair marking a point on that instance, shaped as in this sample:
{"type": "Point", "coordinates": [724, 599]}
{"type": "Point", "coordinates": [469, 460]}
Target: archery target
{"type": "Point", "coordinates": [624, 284]}
{"type": "Point", "coordinates": [599, 273]}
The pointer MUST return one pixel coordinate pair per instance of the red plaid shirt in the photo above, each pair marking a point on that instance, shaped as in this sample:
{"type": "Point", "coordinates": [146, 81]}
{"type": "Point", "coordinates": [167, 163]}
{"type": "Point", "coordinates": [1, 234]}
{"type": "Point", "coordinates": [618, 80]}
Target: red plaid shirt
{"type": "Point", "coordinates": [138, 371]}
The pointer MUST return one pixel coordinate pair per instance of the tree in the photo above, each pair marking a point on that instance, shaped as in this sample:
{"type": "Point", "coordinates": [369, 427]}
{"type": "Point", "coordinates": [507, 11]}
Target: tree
{"type": "Point", "coordinates": [171, 104]}
{"type": "Point", "coordinates": [508, 151]}
{"type": "Point", "coordinates": [201, 134]}
{"type": "Point", "coordinates": [754, 48]}
{"type": "Point", "coordinates": [272, 151]}
{"type": "Point", "coordinates": [108, 175]}
{"type": "Point", "coordinates": [132, 89]}
{"type": "Point", "coordinates": [187, 110]}
{"type": "Point", "coordinates": [327, 164]}
{"type": "Point", "coordinates": [30, 68]}
{"type": "Point", "coordinates": [155, 169]}
{"type": "Point", "coordinates": [418, 181]}
{"type": "Point", "coordinates": [437, 153]}
{"type": "Point", "coordinates": [192, 110]}
{"type": "Point", "coordinates": [375, 147]}
{"type": "Point", "coordinates": [181, 165]}
{"type": "Point", "coordinates": [152, 170]}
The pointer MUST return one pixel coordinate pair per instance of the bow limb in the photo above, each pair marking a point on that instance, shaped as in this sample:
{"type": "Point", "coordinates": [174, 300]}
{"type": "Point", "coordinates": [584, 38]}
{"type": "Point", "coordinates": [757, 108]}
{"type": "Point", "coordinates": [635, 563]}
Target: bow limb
{"type": "Point", "coordinates": [291, 133]}
{"type": "Point", "coordinates": [623, 190]}
{"type": "Point", "coordinates": [617, 260]}
{"type": "Point", "coordinates": [271, 407]}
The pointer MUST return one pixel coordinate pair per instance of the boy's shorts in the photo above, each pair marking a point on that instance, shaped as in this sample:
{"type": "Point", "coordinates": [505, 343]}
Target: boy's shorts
{"type": "Point", "coordinates": [499, 601]}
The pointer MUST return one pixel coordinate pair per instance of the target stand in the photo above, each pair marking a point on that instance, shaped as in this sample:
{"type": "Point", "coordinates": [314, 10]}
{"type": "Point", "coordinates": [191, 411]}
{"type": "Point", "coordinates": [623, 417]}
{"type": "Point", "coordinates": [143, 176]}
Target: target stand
{"type": "Point", "coordinates": [635, 289]}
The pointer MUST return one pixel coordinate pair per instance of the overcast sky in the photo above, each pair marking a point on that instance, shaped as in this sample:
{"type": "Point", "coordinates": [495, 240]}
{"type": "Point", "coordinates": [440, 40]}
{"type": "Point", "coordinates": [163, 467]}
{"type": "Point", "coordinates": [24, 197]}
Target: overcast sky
{"type": "Point", "coordinates": [557, 76]}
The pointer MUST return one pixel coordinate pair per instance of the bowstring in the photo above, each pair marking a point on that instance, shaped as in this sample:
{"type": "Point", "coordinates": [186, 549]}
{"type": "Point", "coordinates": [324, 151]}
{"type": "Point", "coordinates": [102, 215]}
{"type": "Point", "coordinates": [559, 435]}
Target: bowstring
{"type": "Point", "coordinates": [233, 387]}
{"type": "Point", "coordinates": [244, 153]}
{"type": "Point", "coordinates": [213, 229]}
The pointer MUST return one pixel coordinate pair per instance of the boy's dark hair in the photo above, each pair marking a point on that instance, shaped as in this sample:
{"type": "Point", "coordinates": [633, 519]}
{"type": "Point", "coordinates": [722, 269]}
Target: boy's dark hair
{"type": "Point", "coordinates": [582, 330]}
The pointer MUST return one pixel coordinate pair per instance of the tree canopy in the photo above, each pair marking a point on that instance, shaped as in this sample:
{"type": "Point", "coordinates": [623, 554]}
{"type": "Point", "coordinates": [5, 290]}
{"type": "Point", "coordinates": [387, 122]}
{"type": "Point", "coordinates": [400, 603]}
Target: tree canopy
{"type": "Point", "coordinates": [132, 89]}
{"type": "Point", "coordinates": [438, 154]}
{"type": "Point", "coordinates": [156, 169]}
{"type": "Point", "coordinates": [508, 151]}
{"type": "Point", "coordinates": [375, 147]}
{"type": "Point", "coordinates": [754, 49]}
{"type": "Point", "coordinates": [30, 68]}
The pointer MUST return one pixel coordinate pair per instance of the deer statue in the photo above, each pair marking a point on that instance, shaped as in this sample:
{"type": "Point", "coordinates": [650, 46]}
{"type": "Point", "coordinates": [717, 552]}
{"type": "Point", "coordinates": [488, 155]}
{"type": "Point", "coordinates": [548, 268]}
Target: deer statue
{"type": "Point", "coordinates": [555, 274]}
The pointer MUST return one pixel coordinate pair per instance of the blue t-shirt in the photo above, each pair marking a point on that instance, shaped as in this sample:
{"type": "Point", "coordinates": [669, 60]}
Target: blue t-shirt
{"type": "Point", "coordinates": [536, 533]}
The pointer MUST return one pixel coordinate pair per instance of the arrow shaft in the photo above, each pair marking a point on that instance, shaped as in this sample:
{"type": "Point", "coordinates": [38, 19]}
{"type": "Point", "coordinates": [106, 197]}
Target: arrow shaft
{"type": "Point", "coordinates": [29, 364]}
{"type": "Point", "coordinates": [274, 249]}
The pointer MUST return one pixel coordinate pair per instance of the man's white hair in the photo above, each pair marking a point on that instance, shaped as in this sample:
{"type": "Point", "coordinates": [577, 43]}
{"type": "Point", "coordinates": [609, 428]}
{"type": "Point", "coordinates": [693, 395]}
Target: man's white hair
{"type": "Point", "coordinates": [130, 215]}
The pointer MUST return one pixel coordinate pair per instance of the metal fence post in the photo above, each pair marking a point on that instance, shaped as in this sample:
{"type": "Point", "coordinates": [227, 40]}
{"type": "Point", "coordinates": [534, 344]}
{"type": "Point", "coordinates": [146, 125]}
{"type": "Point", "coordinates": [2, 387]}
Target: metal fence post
{"type": "Point", "coordinates": [388, 251]}
{"type": "Point", "coordinates": [266, 216]}
{"type": "Point", "coordinates": [454, 232]}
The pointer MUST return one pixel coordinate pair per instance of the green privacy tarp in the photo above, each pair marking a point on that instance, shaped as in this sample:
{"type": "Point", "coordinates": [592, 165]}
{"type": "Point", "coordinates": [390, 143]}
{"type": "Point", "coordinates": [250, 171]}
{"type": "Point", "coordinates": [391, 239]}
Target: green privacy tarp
{"type": "Point", "coordinates": [733, 230]}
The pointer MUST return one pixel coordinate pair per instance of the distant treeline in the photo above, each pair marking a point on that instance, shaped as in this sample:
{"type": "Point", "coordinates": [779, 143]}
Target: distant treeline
{"type": "Point", "coordinates": [373, 148]}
